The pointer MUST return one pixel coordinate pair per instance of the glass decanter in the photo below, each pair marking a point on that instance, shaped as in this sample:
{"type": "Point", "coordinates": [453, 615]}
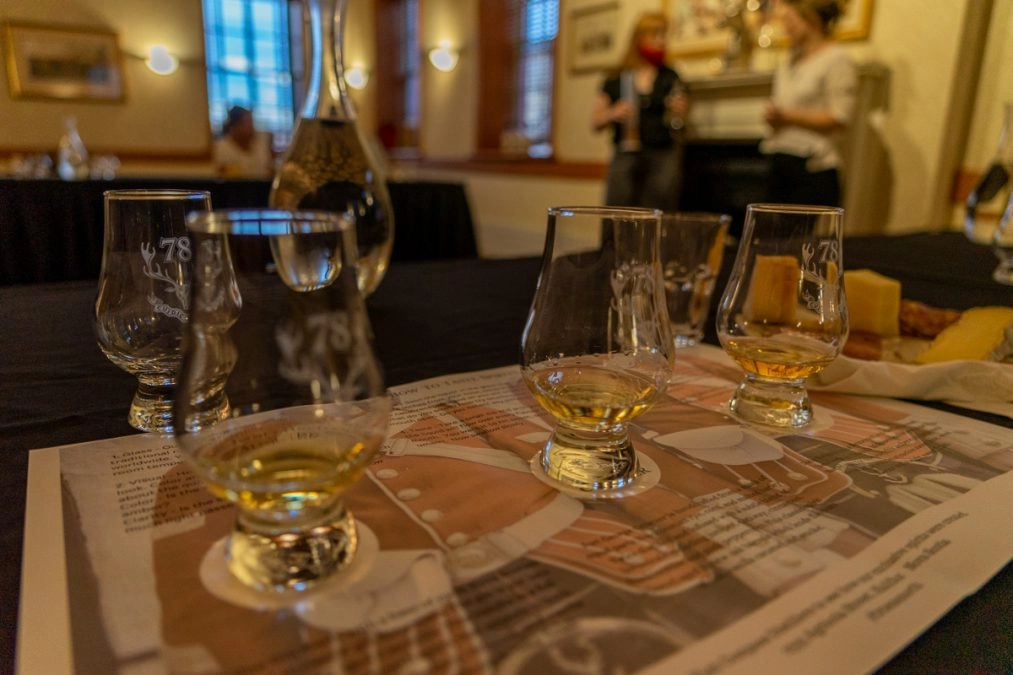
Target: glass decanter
{"type": "Point", "coordinates": [991, 194]}
{"type": "Point", "coordinates": [328, 165]}
{"type": "Point", "coordinates": [1002, 245]}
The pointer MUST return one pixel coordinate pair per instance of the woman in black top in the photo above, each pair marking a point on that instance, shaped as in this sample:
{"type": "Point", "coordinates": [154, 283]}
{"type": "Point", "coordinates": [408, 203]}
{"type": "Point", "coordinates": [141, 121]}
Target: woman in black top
{"type": "Point", "coordinates": [644, 103]}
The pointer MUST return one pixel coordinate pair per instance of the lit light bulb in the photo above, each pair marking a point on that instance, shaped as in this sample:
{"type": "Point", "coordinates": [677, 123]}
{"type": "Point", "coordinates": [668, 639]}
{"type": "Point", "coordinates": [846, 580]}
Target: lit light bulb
{"type": "Point", "coordinates": [160, 61]}
{"type": "Point", "coordinates": [443, 57]}
{"type": "Point", "coordinates": [357, 77]}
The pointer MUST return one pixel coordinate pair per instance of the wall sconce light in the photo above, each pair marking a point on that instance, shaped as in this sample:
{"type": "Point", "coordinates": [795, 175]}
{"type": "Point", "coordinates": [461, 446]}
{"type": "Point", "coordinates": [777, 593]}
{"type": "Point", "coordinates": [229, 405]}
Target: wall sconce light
{"type": "Point", "coordinates": [444, 57]}
{"type": "Point", "coordinates": [357, 77]}
{"type": "Point", "coordinates": [160, 61]}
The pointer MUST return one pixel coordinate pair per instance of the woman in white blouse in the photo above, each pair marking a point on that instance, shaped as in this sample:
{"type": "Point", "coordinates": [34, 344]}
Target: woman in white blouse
{"type": "Point", "coordinates": [811, 106]}
{"type": "Point", "coordinates": [242, 151]}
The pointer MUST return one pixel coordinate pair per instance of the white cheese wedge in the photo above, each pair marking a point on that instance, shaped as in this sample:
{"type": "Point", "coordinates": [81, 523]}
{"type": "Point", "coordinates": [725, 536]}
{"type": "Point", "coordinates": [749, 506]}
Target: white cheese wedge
{"type": "Point", "coordinates": [981, 334]}
{"type": "Point", "coordinates": [773, 289]}
{"type": "Point", "coordinates": [873, 302]}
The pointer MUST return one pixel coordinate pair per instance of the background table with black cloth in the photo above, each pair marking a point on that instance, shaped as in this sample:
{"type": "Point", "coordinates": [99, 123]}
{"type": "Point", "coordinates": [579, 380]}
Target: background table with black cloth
{"type": "Point", "coordinates": [433, 318]}
{"type": "Point", "coordinates": [51, 230]}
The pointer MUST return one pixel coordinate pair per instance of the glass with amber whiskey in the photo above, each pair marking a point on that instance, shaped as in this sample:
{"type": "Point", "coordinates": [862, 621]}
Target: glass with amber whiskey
{"type": "Point", "coordinates": [278, 328]}
{"type": "Point", "coordinates": [783, 315]}
{"type": "Point", "coordinates": [597, 349]}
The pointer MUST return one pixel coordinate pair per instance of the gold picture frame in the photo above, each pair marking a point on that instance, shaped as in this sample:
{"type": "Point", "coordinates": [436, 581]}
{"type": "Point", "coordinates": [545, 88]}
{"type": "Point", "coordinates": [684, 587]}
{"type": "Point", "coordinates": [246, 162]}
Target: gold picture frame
{"type": "Point", "coordinates": [62, 62]}
{"type": "Point", "coordinates": [594, 39]}
{"type": "Point", "coordinates": [856, 24]}
{"type": "Point", "coordinates": [698, 30]}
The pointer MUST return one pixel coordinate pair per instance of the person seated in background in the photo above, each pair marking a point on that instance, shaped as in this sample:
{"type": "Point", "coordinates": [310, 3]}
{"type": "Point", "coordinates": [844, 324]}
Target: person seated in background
{"type": "Point", "coordinates": [242, 151]}
{"type": "Point", "coordinates": [811, 106]}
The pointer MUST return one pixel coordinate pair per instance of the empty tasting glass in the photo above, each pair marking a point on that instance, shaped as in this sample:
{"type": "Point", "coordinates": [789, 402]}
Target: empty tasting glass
{"type": "Point", "coordinates": [278, 328]}
{"type": "Point", "coordinates": [1002, 245]}
{"type": "Point", "coordinates": [144, 294]}
{"type": "Point", "coordinates": [597, 349]}
{"type": "Point", "coordinates": [992, 191]}
{"type": "Point", "coordinates": [692, 247]}
{"type": "Point", "coordinates": [783, 316]}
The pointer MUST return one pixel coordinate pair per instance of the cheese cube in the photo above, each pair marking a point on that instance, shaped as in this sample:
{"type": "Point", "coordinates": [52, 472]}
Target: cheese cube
{"type": "Point", "coordinates": [873, 302]}
{"type": "Point", "coordinates": [773, 289]}
{"type": "Point", "coordinates": [981, 333]}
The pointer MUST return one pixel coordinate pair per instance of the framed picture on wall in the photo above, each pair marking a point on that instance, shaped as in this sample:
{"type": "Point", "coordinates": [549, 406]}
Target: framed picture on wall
{"type": "Point", "coordinates": [64, 63]}
{"type": "Point", "coordinates": [594, 42]}
{"type": "Point", "coordinates": [700, 28]}
{"type": "Point", "coordinates": [856, 22]}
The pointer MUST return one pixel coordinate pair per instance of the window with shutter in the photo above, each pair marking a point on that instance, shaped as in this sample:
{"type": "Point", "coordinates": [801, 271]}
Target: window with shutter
{"type": "Point", "coordinates": [398, 58]}
{"type": "Point", "coordinates": [249, 63]}
{"type": "Point", "coordinates": [516, 65]}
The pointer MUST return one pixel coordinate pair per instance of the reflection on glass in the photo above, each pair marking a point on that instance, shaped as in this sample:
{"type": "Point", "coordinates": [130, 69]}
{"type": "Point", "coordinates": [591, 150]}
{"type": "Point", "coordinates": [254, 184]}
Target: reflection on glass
{"type": "Point", "coordinates": [783, 317]}
{"type": "Point", "coordinates": [279, 328]}
{"type": "Point", "coordinates": [597, 350]}
{"type": "Point", "coordinates": [144, 294]}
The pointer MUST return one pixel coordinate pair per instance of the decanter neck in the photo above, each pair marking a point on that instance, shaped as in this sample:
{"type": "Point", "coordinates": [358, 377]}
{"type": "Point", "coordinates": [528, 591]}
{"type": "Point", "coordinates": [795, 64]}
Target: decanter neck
{"type": "Point", "coordinates": [1004, 147]}
{"type": "Point", "coordinates": [326, 95]}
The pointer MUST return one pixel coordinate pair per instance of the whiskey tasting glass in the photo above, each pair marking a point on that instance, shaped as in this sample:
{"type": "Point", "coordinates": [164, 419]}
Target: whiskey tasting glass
{"type": "Point", "coordinates": [783, 315]}
{"type": "Point", "coordinates": [279, 328]}
{"type": "Point", "coordinates": [144, 293]}
{"type": "Point", "coordinates": [692, 247]}
{"type": "Point", "coordinates": [1002, 245]}
{"type": "Point", "coordinates": [597, 349]}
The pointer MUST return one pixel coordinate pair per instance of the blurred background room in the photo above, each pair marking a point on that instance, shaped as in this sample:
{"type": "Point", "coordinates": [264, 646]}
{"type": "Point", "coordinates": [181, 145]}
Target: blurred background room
{"type": "Point", "coordinates": [495, 95]}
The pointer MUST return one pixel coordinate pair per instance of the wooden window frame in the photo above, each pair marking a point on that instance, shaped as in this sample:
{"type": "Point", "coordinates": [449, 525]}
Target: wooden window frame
{"type": "Point", "coordinates": [391, 85]}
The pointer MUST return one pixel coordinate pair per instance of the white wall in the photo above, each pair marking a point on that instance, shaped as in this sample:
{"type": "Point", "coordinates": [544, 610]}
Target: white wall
{"type": "Point", "coordinates": [359, 49]}
{"type": "Point", "coordinates": [918, 40]}
{"type": "Point", "coordinates": [510, 210]}
{"type": "Point", "coordinates": [449, 100]}
{"type": "Point", "coordinates": [996, 87]}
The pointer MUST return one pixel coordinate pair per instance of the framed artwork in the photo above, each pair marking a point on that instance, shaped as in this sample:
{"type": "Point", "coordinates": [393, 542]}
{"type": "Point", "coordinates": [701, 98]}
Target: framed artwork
{"type": "Point", "coordinates": [700, 28]}
{"type": "Point", "coordinates": [63, 63]}
{"type": "Point", "coordinates": [856, 22]}
{"type": "Point", "coordinates": [594, 42]}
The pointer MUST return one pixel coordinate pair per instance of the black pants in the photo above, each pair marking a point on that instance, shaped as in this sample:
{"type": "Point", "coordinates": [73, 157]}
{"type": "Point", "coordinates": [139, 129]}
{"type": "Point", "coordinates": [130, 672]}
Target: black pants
{"type": "Point", "coordinates": [791, 183]}
{"type": "Point", "coordinates": [650, 178]}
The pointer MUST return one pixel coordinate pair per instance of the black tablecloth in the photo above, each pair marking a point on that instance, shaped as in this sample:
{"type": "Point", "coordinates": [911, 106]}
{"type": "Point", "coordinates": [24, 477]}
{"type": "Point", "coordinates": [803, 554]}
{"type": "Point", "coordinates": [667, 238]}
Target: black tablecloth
{"type": "Point", "coordinates": [51, 230]}
{"type": "Point", "coordinates": [430, 319]}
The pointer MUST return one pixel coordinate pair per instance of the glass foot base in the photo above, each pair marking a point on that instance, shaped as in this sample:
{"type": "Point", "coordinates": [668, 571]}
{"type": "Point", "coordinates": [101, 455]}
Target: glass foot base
{"type": "Point", "coordinates": [589, 462]}
{"type": "Point", "coordinates": [151, 409]}
{"type": "Point", "coordinates": [288, 560]}
{"type": "Point", "coordinates": [685, 338]}
{"type": "Point", "coordinates": [682, 341]}
{"type": "Point", "coordinates": [772, 404]}
{"type": "Point", "coordinates": [221, 583]}
{"type": "Point", "coordinates": [647, 477]}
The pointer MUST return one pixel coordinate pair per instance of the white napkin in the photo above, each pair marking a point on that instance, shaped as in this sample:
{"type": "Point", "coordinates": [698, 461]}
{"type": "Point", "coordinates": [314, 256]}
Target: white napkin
{"type": "Point", "coordinates": [978, 385]}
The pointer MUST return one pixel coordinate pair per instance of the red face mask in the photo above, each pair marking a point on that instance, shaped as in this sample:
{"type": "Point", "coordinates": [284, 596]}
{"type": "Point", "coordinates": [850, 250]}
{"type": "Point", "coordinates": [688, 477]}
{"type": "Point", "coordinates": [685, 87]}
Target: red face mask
{"type": "Point", "coordinates": [653, 55]}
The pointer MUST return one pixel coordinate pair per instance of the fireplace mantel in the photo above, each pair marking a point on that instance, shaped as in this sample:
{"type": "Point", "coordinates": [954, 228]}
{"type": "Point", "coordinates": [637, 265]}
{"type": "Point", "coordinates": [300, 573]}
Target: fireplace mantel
{"type": "Point", "coordinates": [744, 84]}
